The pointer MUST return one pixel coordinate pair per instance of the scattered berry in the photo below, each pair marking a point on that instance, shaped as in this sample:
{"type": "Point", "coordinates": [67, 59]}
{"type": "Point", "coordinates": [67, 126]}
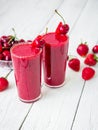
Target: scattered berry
{"type": "Point", "coordinates": [3, 84]}
{"type": "Point", "coordinates": [88, 73]}
{"type": "Point", "coordinates": [82, 49]}
{"type": "Point", "coordinates": [95, 49]}
{"type": "Point", "coordinates": [74, 64]}
{"type": "Point", "coordinates": [91, 59]}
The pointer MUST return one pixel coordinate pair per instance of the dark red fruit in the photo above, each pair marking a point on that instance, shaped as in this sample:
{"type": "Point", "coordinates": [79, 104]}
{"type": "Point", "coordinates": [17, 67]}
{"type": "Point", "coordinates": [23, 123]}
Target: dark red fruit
{"type": "Point", "coordinates": [62, 28]}
{"type": "Point", "coordinates": [61, 37]}
{"type": "Point", "coordinates": [1, 56]}
{"type": "Point", "coordinates": [3, 84]}
{"type": "Point", "coordinates": [82, 49]}
{"type": "Point", "coordinates": [7, 55]}
{"type": "Point", "coordinates": [74, 64]}
{"type": "Point", "coordinates": [95, 49]}
{"type": "Point", "coordinates": [1, 48]}
{"type": "Point", "coordinates": [38, 42]}
{"type": "Point", "coordinates": [21, 40]}
{"type": "Point", "coordinates": [91, 59]}
{"type": "Point", "coordinates": [88, 73]}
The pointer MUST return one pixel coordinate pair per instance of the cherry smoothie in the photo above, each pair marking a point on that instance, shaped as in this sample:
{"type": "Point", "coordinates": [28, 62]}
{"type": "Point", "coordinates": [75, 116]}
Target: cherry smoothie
{"type": "Point", "coordinates": [27, 69]}
{"type": "Point", "coordinates": [54, 59]}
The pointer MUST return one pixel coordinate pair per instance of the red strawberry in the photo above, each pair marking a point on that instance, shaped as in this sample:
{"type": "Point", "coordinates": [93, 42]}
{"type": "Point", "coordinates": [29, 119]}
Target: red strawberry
{"type": "Point", "coordinates": [88, 73]}
{"type": "Point", "coordinates": [3, 83]}
{"type": "Point", "coordinates": [95, 49]}
{"type": "Point", "coordinates": [82, 49]}
{"type": "Point", "coordinates": [74, 64]}
{"type": "Point", "coordinates": [91, 59]}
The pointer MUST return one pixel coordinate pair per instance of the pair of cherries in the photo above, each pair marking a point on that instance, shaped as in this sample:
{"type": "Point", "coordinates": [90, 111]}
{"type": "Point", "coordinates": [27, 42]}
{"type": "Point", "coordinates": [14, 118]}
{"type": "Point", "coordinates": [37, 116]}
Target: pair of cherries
{"type": "Point", "coordinates": [60, 32]}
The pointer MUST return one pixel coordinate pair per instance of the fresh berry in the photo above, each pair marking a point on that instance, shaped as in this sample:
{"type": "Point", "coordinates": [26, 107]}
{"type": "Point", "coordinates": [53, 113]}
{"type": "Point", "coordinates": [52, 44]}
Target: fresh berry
{"type": "Point", "coordinates": [1, 56]}
{"type": "Point", "coordinates": [82, 49]}
{"type": "Point", "coordinates": [38, 42]}
{"type": "Point", "coordinates": [3, 83]}
{"type": "Point", "coordinates": [21, 40]}
{"type": "Point", "coordinates": [61, 37]}
{"type": "Point", "coordinates": [91, 59]}
{"type": "Point", "coordinates": [88, 73]}
{"type": "Point", "coordinates": [1, 48]}
{"type": "Point", "coordinates": [95, 49]}
{"type": "Point", "coordinates": [62, 28]}
{"type": "Point", "coordinates": [74, 64]}
{"type": "Point", "coordinates": [7, 55]}
{"type": "Point", "coordinates": [29, 40]}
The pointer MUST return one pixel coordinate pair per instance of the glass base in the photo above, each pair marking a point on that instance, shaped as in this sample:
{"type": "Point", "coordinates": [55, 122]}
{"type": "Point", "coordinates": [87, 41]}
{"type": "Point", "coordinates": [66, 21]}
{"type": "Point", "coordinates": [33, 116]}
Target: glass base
{"type": "Point", "coordinates": [30, 101]}
{"type": "Point", "coordinates": [56, 86]}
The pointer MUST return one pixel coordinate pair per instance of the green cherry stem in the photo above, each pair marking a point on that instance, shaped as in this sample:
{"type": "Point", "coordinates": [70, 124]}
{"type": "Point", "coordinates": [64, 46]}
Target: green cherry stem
{"type": "Point", "coordinates": [15, 36]}
{"type": "Point", "coordinates": [60, 16]}
{"type": "Point", "coordinates": [8, 73]}
{"type": "Point", "coordinates": [46, 30]}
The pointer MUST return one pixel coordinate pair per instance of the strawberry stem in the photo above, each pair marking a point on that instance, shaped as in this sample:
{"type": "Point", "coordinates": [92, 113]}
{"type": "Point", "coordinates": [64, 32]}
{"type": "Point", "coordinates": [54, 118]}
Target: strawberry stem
{"type": "Point", "coordinates": [60, 16]}
{"type": "Point", "coordinates": [8, 73]}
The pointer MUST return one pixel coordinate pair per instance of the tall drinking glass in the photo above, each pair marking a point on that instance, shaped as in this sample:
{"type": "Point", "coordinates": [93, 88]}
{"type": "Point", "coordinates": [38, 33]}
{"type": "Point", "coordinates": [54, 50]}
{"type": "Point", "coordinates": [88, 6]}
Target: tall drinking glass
{"type": "Point", "coordinates": [54, 59]}
{"type": "Point", "coordinates": [27, 70]}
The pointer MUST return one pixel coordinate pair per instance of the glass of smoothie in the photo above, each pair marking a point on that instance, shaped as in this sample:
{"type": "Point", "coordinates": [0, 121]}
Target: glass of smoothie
{"type": "Point", "coordinates": [27, 70]}
{"type": "Point", "coordinates": [54, 59]}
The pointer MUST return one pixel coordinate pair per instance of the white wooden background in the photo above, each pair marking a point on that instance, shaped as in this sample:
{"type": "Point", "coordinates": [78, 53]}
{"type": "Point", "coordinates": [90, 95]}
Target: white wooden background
{"type": "Point", "coordinates": [72, 107]}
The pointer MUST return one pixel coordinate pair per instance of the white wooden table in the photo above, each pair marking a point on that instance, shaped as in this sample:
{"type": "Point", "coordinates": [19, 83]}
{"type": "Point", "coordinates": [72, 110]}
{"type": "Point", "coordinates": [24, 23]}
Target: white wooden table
{"type": "Point", "coordinates": [71, 107]}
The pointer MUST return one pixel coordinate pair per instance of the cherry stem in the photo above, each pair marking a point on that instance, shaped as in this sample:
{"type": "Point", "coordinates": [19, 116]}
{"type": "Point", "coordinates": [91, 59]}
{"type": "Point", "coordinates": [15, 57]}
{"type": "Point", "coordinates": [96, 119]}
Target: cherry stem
{"type": "Point", "coordinates": [46, 30]}
{"type": "Point", "coordinates": [60, 16]}
{"type": "Point", "coordinates": [14, 33]}
{"type": "Point", "coordinates": [8, 73]}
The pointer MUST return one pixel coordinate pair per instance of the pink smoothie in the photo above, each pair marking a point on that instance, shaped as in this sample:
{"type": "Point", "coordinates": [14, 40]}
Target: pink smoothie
{"type": "Point", "coordinates": [27, 69]}
{"type": "Point", "coordinates": [54, 59]}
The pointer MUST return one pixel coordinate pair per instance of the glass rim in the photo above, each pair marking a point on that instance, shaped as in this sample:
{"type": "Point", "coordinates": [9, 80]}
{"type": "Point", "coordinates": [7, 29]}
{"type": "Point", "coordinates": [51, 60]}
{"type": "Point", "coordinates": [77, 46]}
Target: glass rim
{"type": "Point", "coordinates": [22, 57]}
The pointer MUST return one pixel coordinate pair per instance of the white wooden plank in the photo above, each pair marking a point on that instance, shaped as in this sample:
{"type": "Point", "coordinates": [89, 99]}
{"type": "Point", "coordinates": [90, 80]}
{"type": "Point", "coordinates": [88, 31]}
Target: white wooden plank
{"type": "Point", "coordinates": [57, 107]}
{"type": "Point", "coordinates": [29, 17]}
{"type": "Point", "coordinates": [12, 111]}
{"type": "Point", "coordinates": [87, 115]}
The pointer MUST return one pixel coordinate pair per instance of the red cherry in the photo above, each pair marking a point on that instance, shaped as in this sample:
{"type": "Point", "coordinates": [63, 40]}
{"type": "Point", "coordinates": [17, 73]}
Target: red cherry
{"type": "Point", "coordinates": [21, 40]}
{"type": "Point", "coordinates": [91, 59]}
{"type": "Point", "coordinates": [3, 84]}
{"type": "Point", "coordinates": [7, 55]}
{"type": "Point", "coordinates": [88, 73]}
{"type": "Point", "coordinates": [61, 37]}
{"type": "Point", "coordinates": [1, 48]}
{"type": "Point", "coordinates": [74, 64]}
{"type": "Point", "coordinates": [95, 49]}
{"type": "Point", "coordinates": [38, 42]}
{"type": "Point", "coordinates": [62, 28]}
{"type": "Point", "coordinates": [1, 56]}
{"type": "Point", "coordinates": [82, 49]}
